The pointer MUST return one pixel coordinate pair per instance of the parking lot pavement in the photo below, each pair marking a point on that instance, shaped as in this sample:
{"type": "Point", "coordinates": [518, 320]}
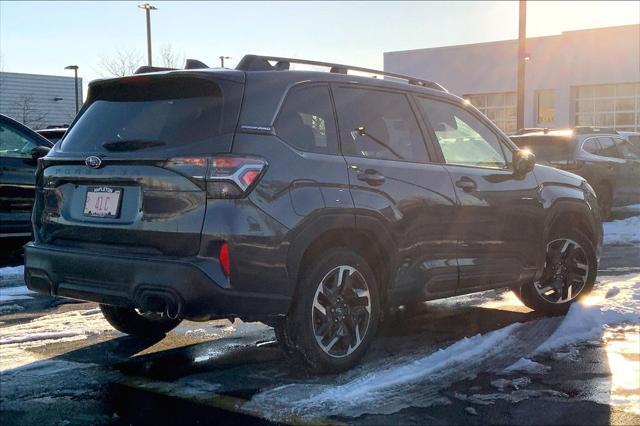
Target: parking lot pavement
{"type": "Point", "coordinates": [474, 359]}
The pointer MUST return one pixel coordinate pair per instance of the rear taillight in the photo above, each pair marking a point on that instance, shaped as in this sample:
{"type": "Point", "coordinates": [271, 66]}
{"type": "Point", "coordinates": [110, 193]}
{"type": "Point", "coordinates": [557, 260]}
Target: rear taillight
{"type": "Point", "coordinates": [233, 177]}
{"type": "Point", "coordinates": [225, 176]}
{"type": "Point", "coordinates": [225, 261]}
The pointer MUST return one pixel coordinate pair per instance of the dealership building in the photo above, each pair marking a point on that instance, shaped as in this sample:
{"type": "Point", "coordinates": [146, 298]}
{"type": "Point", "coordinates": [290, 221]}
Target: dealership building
{"type": "Point", "coordinates": [578, 78]}
{"type": "Point", "coordinates": [39, 100]}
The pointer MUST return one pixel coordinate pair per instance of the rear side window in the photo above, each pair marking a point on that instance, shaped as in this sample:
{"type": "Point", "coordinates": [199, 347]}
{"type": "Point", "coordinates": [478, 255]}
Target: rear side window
{"type": "Point", "coordinates": [548, 147]}
{"type": "Point", "coordinates": [377, 124]}
{"type": "Point", "coordinates": [150, 114]}
{"type": "Point", "coordinates": [306, 120]}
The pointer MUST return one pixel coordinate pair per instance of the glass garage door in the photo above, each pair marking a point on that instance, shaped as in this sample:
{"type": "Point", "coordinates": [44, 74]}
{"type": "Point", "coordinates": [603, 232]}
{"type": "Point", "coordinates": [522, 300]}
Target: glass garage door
{"type": "Point", "coordinates": [498, 107]}
{"type": "Point", "coordinates": [615, 106]}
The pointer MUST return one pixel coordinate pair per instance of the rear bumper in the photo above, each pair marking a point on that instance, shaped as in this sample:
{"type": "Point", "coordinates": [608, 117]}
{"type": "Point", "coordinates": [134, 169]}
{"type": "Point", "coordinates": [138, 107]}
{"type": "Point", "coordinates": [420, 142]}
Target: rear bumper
{"type": "Point", "coordinates": [143, 282]}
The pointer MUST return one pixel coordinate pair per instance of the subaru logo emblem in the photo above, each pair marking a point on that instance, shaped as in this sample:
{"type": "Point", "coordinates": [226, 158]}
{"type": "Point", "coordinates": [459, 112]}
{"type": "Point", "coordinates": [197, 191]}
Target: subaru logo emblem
{"type": "Point", "coordinates": [93, 162]}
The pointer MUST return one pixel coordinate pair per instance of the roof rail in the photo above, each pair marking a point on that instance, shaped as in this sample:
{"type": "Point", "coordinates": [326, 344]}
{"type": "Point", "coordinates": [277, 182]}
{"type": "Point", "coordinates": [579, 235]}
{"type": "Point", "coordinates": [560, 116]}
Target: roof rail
{"type": "Point", "coordinates": [525, 130]}
{"type": "Point", "coordinates": [261, 63]}
{"type": "Point", "coordinates": [580, 130]}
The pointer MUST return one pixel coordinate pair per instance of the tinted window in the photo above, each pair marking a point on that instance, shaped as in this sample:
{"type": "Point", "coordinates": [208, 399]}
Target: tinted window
{"type": "Point", "coordinates": [591, 146]}
{"type": "Point", "coordinates": [462, 137]}
{"type": "Point", "coordinates": [185, 115]}
{"type": "Point", "coordinates": [14, 144]}
{"type": "Point", "coordinates": [608, 147]}
{"type": "Point", "coordinates": [548, 147]}
{"type": "Point", "coordinates": [377, 124]}
{"type": "Point", "coordinates": [306, 120]}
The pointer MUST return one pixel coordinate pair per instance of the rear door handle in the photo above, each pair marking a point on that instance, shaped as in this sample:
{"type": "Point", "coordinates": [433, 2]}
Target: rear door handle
{"type": "Point", "coordinates": [371, 176]}
{"type": "Point", "coordinates": [466, 184]}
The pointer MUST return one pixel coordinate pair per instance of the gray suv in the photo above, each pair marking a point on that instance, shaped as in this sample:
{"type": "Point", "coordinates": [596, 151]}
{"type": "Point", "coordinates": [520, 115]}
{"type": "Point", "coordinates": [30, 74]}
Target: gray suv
{"type": "Point", "coordinates": [606, 159]}
{"type": "Point", "coordinates": [310, 201]}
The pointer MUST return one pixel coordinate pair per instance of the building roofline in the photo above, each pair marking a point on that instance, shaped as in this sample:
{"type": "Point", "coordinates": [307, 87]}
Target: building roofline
{"type": "Point", "coordinates": [503, 42]}
{"type": "Point", "coordinates": [39, 75]}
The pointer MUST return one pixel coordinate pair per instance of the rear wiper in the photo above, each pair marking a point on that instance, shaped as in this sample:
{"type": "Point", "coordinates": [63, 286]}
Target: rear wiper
{"type": "Point", "coordinates": [131, 144]}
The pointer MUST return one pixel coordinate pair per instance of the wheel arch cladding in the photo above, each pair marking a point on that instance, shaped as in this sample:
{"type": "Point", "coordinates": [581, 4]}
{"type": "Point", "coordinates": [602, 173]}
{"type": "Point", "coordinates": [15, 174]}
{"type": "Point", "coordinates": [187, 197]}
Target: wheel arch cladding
{"type": "Point", "coordinates": [366, 243]}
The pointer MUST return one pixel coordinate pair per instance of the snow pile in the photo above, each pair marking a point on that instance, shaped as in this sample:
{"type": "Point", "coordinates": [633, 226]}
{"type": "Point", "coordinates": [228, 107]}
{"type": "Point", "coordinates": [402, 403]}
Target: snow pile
{"type": "Point", "coordinates": [525, 365]}
{"type": "Point", "coordinates": [17, 339]}
{"type": "Point", "coordinates": [625, 231]}
{"type": "Point", "coordinates": [589, 319]}
{"type": "Point", "coordinates": [8, 294]}
{"type": "Point", "coordinates": [463, 350]}
{"type": "Point", "coordinates": [11, 275]}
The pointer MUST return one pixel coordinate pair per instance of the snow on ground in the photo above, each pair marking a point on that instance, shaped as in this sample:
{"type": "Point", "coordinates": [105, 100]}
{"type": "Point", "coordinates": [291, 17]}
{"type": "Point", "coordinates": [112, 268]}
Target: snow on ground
{"type": "Point", "coordinates": [16, 340]}
{"type": "Point", "coordinates": [11, 276]}
{"type": "Point", "coordinates": [417, 380]}
{"type": "Point", "coordinates": [623, 231]}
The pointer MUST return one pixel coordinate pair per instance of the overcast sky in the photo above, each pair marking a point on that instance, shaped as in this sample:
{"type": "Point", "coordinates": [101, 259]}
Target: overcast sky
{"type": "Point", "coordinates": [44, 37]}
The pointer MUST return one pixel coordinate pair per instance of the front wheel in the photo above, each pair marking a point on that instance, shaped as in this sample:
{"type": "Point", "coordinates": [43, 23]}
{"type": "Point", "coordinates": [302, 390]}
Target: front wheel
{"type": "Point", "coordinates": [569, 273]}
{"type": "Point", "coordinates": [136, 323]}
{"type": "Point", "coordinates": [336, 311]}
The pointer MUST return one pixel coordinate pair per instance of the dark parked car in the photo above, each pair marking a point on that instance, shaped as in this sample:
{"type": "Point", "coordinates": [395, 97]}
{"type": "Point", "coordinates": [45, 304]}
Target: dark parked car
{"type": "Point", "coordinates": [20, 147]}
{"type": "Point", "coordinates": [310, 201]}
{"type": "Point", "coordinates": [608, 161]}
{"type": "Point", "coordinates": [54, 134]}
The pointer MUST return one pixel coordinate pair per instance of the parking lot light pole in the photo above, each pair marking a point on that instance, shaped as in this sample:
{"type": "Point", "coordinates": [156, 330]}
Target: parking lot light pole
{"type": "Point", "coordinates": [75, 71]}
{"type": "Point", "coordinates": [522, 40]}
{"type": "Point", "coordinates": [222, 58]}
{"type": "Point", "coordinates": [148, 8]}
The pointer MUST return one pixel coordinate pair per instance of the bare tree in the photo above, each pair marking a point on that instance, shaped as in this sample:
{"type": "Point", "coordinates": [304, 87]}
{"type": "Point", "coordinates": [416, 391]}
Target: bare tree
{"type": "Point", "coordinates": [26, 112]}
{"type": "Point", "coordinates": [123, 62]}
{"type": "Point", "coordinates": [169, 57]}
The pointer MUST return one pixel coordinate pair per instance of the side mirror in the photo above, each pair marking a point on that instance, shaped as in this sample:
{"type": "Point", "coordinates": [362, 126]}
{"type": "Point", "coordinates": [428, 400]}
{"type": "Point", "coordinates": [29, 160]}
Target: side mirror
{"type": "Point", "coordinates": [523, 162]}
{"type": "Point", "coordinates": [39, 152]}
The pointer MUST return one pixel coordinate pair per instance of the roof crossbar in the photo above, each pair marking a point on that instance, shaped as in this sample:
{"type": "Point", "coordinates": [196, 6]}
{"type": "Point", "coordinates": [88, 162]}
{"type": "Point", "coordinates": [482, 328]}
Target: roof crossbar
{"type": "Point", "coordinates": [262, 63]}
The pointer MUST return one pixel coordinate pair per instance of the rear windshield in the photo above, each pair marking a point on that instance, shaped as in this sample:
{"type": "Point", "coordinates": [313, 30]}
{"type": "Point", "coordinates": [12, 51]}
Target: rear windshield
{"type": "Point", "coordinates": [547, 148]}
{"type": "Point", "coordinates": [178, 115]}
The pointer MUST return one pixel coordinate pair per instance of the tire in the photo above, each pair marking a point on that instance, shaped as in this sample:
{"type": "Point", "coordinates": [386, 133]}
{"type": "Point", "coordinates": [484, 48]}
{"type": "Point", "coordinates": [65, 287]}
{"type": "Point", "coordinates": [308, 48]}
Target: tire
{"type": "Point", "coordinates": [579, 251]}
{"type": "Point", "coordinates": [129, 321]}
{"type": "Point", "coordinates": [335, 340]}
{"type": "Point", "coordinates": [605, 201]}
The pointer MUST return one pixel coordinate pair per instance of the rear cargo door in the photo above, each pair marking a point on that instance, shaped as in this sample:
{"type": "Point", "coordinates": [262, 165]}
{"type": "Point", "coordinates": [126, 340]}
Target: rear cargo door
{"type": "Point", "coordinates": [130, 172]}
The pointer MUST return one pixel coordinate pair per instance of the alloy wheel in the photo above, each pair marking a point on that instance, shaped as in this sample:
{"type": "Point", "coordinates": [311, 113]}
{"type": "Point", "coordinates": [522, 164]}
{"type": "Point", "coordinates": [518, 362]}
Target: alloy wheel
{"type": "Point", "coordinates": [341, 311]}
{"type": "Point", "coordinates": [565, 273]}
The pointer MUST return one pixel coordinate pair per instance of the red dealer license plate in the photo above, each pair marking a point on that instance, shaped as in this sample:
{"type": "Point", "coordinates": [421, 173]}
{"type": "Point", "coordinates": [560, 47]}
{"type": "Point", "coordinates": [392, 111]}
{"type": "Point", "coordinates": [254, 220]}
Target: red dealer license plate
{"type": "Point", "coordinates": [103, 201]}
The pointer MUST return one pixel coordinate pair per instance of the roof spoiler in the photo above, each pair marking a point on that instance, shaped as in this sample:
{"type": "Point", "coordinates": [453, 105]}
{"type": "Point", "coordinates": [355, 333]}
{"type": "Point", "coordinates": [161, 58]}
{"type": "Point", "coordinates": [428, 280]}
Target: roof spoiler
{"type": "Point", "coordinates": [190, 64]}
